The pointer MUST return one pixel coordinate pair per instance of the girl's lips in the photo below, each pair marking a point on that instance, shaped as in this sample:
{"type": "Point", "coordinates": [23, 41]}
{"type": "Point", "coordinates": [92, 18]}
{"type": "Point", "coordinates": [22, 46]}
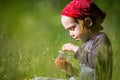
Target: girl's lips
{"type": "Point", "coordinates": [75, 37]}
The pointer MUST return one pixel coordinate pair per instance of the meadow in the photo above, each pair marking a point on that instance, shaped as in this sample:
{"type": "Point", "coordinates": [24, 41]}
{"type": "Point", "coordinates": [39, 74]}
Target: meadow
{"type": "Point", "coordinates": [31, 34]}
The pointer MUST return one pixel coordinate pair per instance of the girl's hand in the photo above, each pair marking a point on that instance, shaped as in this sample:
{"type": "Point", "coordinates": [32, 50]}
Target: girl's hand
{"type": "Point", "coordinates": [70, 47]}
{"type": "Point", "coordinates": [64, 65]}
{"type": "Point", "coordinates": [60, 63]}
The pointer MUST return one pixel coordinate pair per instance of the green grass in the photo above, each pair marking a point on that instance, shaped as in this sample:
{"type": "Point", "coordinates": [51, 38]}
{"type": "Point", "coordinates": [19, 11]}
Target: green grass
{"type": "Point", "coordinates": [30, 36]}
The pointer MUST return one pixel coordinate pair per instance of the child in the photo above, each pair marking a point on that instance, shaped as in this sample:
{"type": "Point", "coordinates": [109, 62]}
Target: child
{"type": "Point", "coordinates": [83, 19]}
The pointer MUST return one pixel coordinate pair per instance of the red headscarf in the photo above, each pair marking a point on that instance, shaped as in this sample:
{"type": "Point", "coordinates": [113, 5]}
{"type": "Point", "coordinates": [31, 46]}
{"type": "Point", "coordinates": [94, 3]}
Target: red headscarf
{"type": "Point", "coordinates": [83, 8]}
{"type": "Point", "coordinates": [77, 8]}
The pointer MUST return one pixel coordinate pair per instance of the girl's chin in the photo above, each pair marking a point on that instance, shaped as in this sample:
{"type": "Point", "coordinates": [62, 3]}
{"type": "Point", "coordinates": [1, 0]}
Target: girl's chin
{"type": "Point", "coordinates": [77, 39]}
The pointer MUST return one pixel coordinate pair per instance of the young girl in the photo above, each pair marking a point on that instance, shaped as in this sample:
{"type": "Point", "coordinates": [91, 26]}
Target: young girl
{"type": "Point", "coordinates": [83, 19]}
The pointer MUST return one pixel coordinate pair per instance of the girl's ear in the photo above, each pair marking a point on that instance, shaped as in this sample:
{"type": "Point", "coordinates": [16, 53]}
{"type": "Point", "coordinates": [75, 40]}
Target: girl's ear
{"type": "Point", "coordinates": [88, 22]}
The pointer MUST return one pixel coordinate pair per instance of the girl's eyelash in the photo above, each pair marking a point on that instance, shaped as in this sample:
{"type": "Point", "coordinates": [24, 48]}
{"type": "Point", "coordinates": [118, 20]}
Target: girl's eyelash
{"type": "Point", "coordinates": [72, 28]}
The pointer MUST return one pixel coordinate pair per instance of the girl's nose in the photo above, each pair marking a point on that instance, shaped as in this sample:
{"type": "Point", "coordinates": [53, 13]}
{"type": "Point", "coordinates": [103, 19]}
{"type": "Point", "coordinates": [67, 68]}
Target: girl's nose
{"type": "Point", "coordinates": [71, 33]}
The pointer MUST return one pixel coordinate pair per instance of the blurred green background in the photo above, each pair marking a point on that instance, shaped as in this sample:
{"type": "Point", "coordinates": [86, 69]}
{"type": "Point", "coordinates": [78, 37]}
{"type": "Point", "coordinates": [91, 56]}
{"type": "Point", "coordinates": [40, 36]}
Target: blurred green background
{"type": "Point", "coordinates": [31, 34]}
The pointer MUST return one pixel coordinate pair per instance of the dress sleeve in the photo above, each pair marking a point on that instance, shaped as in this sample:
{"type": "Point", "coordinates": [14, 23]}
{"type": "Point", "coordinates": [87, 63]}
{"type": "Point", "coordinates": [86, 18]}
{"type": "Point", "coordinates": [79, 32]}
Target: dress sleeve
{"type": "Point", "coordinates": [103, 59]}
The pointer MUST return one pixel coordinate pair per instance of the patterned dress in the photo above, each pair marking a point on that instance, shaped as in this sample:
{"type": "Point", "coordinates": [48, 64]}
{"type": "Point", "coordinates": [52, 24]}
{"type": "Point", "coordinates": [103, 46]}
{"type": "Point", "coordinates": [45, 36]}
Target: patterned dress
{"type": "Point", "coordinates": [95, 58]}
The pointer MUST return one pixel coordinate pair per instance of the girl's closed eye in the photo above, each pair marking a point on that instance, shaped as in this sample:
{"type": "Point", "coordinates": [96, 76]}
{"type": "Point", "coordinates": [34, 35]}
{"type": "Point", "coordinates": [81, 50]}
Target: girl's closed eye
{"type": "Point", "coordinates": [72, 28]}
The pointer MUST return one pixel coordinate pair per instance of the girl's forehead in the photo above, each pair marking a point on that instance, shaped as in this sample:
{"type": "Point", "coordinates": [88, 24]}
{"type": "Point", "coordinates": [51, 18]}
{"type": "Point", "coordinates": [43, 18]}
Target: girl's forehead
{"type": "Point", "coordinates": [66, 21]}
{"type": "Point", "coordinates": [66, 18]}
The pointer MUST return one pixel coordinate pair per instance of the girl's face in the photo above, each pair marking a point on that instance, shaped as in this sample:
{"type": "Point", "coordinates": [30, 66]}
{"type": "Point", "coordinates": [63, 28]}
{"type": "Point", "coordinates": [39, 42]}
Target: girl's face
{"type": "Point", "coordinates": [76, 29]}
